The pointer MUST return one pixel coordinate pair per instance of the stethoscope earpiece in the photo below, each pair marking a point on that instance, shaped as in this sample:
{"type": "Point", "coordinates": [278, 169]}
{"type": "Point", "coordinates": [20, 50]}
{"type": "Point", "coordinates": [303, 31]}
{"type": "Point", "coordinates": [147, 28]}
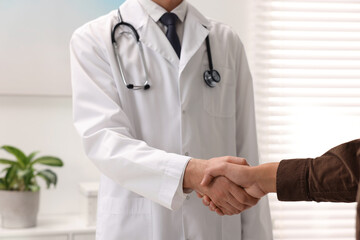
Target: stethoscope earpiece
{"type": "Point", "coordinates": [130, 86]}
{"type": "Point", "coordinates": [146, 87]}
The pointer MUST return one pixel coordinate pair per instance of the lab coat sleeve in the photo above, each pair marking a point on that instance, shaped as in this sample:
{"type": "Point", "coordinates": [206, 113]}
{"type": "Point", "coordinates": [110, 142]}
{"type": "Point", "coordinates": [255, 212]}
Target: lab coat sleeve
{"type": "Point", "coordinates": [256, 221]}
{"type": "Point", "coordinates": [107, 132]}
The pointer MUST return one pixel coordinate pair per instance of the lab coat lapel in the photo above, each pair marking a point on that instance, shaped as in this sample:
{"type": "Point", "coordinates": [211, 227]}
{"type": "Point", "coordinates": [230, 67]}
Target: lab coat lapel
{"type": "Point", "coordinates": [153, 37]}
{"type": "Point", "coordinates": [196, 30]}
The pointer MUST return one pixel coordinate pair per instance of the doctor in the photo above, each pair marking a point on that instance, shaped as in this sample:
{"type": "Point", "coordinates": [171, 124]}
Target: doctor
{"type": "Point", "coordinates": [148, 121]}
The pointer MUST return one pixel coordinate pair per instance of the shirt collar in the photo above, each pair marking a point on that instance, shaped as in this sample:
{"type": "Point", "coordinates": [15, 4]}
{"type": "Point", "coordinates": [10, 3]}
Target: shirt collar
{"type": "Point", "coordinates": [155, 11]}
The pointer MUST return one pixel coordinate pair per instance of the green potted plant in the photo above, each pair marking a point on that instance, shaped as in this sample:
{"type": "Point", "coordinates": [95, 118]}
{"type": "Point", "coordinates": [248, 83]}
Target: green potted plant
{"type": "Point", "coordinates": [19, 190]}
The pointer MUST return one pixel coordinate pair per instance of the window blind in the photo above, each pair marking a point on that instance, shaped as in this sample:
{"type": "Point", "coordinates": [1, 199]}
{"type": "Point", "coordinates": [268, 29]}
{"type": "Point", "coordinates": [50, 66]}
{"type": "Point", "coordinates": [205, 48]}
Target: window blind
{"type": "Point", "coordinates": [305, 59]}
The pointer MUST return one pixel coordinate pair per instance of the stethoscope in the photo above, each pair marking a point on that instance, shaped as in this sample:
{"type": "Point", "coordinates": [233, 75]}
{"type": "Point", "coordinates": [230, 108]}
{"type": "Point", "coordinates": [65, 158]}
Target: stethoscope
{"type": "Point", "coordinates": [211, 76]}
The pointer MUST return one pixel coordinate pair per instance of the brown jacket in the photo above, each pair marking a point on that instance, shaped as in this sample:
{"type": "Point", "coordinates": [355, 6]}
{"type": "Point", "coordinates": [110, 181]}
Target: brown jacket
{"type": "Point", "coordinates": [333, 177]}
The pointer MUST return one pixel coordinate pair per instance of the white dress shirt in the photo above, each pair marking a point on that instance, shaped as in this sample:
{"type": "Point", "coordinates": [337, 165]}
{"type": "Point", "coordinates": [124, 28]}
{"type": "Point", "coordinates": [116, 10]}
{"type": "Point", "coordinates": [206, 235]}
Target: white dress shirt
{"type": "Point", "coordinates": [155, 11]}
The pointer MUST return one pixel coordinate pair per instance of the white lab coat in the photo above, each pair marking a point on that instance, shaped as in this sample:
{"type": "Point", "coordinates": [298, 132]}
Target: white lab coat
{"type": "Point", "coordinates": [139, 139]}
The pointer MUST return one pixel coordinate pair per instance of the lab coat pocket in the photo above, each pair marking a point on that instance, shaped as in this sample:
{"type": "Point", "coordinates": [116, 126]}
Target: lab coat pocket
{"type": "Point", "coordinates": [220, 100]}
{"type": "Point", "coordinates": [128, 218]}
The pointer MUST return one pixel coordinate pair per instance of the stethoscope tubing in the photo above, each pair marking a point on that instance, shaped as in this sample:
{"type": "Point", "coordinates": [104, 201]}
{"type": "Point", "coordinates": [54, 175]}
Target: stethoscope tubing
{"type": "Point", "coordinates": [211, 77]}
{"type": "Point", "coordinates": [208, 50]}
{"type": "Point", "coordinates": [116, 49]}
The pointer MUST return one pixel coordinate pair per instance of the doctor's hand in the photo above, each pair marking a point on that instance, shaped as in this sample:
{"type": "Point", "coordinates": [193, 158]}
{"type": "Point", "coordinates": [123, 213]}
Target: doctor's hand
{"type": "Point", "coordinates": [227, 196]}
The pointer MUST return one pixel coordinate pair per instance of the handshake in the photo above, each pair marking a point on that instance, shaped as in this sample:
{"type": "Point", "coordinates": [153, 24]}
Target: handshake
{"type": "Point", "coordinates": [228, 185]}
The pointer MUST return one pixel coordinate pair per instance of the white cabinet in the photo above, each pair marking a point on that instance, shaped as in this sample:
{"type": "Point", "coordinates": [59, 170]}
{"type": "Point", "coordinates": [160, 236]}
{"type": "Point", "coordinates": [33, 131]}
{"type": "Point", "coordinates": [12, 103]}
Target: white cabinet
{"type": "Point", "coordinates": [89, 192]}
{"type": "Point", "coordinates": [55, 227]}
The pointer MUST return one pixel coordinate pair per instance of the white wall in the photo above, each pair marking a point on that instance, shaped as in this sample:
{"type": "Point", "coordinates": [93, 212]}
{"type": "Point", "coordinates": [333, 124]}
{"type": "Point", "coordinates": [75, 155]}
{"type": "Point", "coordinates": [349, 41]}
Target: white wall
{"type": "Point", "coordinates": [236, 13]}
{"type": "Point", "coordinates": [40, 46]}
{"type": "Point", "coordinates": [45, 123]}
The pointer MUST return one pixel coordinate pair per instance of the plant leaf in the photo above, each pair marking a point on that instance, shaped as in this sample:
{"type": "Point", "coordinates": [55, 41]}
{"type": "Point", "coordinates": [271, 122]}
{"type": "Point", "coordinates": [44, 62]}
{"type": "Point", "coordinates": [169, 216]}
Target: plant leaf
{"type": "Point", "coordinates": [23, 173]}
{"type": "Point", "coordinates": [5, 169]}
{"type": "Point", "coordinates": [34, 188]}
{"type": "Point", "coordinates": [48, 160]}
{"type": "Point", "coordinates": [10, 175]}
{"type": "Point", "coordinates": [32, 155]}
{"type": "Point", "coordinates": [7, 161]}
{"type": "Point", "coordinates": [29, 178]}
{"type": "Point", "coordinates": [49, 177]}
{"type": "Point", "coordinates": [20, 156]}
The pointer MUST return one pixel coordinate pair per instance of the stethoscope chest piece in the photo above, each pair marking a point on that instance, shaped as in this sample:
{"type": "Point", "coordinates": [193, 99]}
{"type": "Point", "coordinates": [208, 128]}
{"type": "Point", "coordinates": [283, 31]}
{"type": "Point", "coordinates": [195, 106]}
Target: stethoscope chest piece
{"type": "Point", "coordinates": [211, 77]}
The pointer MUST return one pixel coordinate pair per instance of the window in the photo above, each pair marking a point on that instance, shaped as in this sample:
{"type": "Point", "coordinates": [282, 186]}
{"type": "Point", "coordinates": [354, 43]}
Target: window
{"type": "Point", "coordinates": [306, 67]}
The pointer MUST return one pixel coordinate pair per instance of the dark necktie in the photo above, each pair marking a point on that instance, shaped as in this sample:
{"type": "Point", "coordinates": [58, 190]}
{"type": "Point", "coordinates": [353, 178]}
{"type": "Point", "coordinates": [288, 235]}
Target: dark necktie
{"type": "Point", "coordinates": [169, 20]}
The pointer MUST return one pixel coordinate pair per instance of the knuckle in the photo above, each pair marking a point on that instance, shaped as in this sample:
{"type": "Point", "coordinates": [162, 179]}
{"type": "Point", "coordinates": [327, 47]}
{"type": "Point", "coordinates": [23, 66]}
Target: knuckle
{"type": "Point", "coordinates": [214, 206]}
{"type": "Point", "coordinates": [220, 212]}
{"type": "Point", "coordinates": [222, 165]}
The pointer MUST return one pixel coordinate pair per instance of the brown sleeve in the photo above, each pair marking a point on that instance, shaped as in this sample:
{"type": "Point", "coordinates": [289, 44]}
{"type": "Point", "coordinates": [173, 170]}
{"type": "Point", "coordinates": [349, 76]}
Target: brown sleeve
{"type": "Point", "coordinates": [333, 177]}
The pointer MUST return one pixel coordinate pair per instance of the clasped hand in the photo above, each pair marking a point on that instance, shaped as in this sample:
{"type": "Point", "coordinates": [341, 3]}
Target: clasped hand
{"type": "Point", "coordinates": [230, 185]}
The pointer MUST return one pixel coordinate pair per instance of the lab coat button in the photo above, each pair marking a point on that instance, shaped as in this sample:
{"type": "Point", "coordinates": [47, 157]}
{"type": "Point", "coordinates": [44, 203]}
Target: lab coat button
{"type": "Point", "coordinates": [186, 154]}
{"type": "Point", "coordinates": [187, 197]}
